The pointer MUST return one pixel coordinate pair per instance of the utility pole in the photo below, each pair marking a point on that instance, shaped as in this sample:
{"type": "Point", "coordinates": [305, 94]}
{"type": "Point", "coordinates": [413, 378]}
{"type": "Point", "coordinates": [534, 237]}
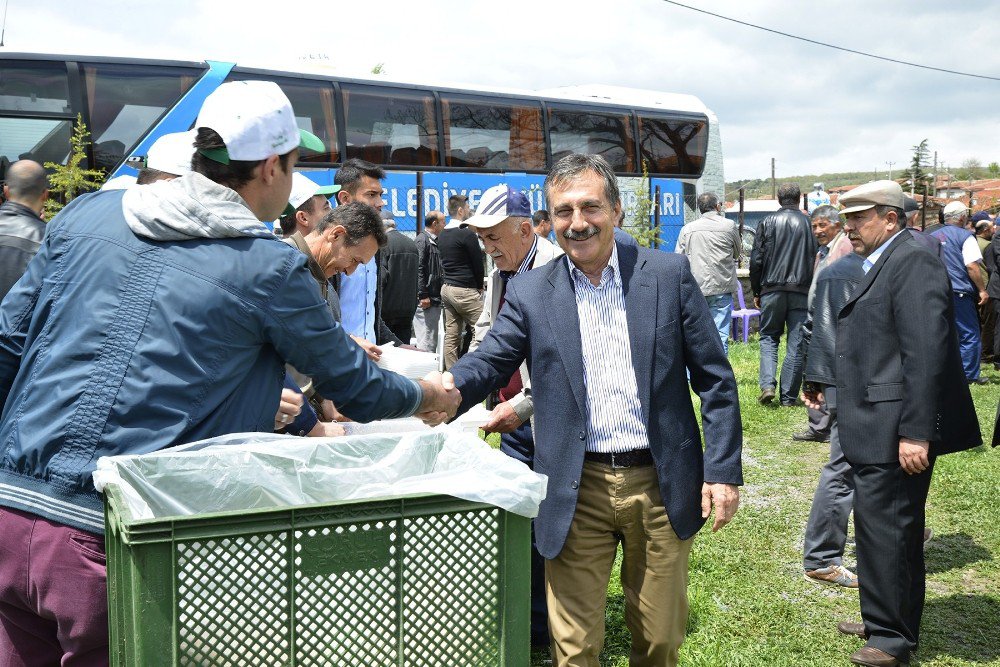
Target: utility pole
{"type": "Point", "coordinates": [934, 192]}
{"type": "Point", "coordinates": [889, 164]}
{"type": "Point", "coordinates": [774, 187]}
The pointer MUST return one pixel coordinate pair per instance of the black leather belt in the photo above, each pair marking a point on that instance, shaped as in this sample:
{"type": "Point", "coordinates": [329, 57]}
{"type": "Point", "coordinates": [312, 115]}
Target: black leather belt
{"type": "Point", "coordinates": [630, 459]}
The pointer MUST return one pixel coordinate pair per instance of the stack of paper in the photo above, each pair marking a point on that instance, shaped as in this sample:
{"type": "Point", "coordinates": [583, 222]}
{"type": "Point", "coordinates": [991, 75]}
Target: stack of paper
{"type": "Point", "coordinates": [413, 364]}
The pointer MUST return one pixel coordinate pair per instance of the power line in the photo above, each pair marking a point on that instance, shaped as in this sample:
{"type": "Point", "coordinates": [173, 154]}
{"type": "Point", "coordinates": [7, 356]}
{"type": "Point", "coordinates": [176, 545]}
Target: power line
{"type": "Point", "coordinates": [833, 46]}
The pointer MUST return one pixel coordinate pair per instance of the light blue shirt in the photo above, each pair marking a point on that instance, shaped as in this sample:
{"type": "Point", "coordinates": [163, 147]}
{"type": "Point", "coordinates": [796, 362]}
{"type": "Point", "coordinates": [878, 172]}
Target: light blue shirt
{"type": "Point", "coordinates": [614, 411]}
{"type": "Point", "coordinates": [872, 258]}
{"type": "Point", "coordinates": [357, 301]}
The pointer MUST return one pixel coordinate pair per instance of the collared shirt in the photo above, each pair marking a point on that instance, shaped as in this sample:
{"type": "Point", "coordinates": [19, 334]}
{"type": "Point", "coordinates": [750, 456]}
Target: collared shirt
{"type": "Point", "coordinates": [529, 259]}
{"type": "Point", "coordinates": [872, 258]}
{"type": "Point", "coordinates": [614, 412]}
{"type": "Point", "coordinates": [357, 301]}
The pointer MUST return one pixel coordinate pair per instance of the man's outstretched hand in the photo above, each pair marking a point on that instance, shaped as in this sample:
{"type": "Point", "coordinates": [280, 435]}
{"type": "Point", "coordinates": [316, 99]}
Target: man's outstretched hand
{"type": "Point", "coordinates": [441, 398]}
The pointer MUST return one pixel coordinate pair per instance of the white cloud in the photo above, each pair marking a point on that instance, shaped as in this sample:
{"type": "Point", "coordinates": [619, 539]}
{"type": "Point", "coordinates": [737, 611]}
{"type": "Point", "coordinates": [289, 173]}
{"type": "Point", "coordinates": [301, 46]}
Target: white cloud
{"type": "Point", "coordinates": [812, 108]}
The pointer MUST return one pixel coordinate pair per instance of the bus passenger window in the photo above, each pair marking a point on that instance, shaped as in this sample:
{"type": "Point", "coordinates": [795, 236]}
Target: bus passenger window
{"type": "Point", "coordinates": [673, 146]}
{"type": "Point", "coordinates": [487, 135]}
{"type": "Point", "coordinates": [390, 127]}
{"type": "Point", "coordinates": [607, 135]}
{"type": "Point", "coordinates": [39, 91]}
{"type": "Point", "coordinates": [312, 102]}
{"type": "Point", "coordinates": [126, 101]}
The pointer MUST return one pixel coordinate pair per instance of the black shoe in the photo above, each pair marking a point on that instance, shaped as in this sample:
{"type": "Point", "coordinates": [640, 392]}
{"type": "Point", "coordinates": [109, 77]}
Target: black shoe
{"type": "Point", "coordinates": [792, 404]}
{"type": "Point", "coordinates": [811, 436]}
{"type": "Point", "coordinates": [979, 380]}
{"type": "Point", "coordinates": [766, 396]}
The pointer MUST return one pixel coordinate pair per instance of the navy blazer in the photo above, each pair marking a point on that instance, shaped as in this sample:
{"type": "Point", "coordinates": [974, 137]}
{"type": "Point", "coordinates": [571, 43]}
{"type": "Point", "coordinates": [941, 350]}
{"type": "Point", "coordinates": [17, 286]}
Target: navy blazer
{"type": "Point", "coordinates": [671, 332]}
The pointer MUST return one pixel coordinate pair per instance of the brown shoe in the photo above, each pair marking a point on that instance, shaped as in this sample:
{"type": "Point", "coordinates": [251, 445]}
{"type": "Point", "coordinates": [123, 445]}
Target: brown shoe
{"type": "Point", "coordinates": [851, 628]}
{"type": "Point", "coordinates": [873, 657]}
{"type": "Point", "coordinates": [766, 396]}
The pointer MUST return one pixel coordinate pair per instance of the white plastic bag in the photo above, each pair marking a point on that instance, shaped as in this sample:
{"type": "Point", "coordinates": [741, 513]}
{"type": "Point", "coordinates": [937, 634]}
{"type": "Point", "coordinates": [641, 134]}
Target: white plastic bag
{"type": "Point", "coordinates": [245, 471]}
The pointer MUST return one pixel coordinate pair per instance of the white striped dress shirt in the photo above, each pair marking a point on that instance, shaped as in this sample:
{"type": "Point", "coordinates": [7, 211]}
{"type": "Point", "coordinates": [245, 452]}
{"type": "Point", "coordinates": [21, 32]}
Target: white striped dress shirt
{"type": "Point", "coordinates": [614, 412]}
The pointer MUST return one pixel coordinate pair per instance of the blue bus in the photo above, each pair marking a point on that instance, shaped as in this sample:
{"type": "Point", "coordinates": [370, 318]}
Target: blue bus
{"type": "Point", "coordinates": [433, 140]}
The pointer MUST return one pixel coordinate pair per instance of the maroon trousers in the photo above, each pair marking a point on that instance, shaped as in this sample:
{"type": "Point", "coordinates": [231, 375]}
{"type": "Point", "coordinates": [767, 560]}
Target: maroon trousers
{"type": "Point", "coordinates": [53, 594]}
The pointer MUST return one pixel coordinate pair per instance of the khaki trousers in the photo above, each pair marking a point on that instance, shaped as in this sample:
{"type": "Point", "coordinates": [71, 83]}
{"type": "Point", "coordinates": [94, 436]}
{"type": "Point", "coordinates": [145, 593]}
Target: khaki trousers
{"type": "Point", "coordinates": [462, 306]}
{"type": "Point", "coordinates": [618, 505]}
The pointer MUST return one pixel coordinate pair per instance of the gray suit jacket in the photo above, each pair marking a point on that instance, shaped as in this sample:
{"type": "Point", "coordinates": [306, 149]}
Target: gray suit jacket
{"type": "Point", "coordinates": [671, 333]}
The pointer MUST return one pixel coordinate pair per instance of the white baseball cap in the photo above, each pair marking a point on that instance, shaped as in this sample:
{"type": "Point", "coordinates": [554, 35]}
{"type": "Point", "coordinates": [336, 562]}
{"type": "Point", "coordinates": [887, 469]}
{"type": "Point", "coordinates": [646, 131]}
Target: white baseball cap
{"type": "Point", "coordinates": [123, 182]}
{"type": "Point", "coordinates": [255, 121]}
{"type": "Point", "coordinates": [955, 207]}
{"type": "Point", "coordinates": [303, 188]}
{"type": "Point", "coordinates": [172, 153]}
{"type": "Point", "coordinates": [497, 204]}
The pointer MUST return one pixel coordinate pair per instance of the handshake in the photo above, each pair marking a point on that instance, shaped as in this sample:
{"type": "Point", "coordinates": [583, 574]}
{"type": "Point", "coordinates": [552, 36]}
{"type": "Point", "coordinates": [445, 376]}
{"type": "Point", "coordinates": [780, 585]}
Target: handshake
{"type": "Point", "coordinates": [441, 398]}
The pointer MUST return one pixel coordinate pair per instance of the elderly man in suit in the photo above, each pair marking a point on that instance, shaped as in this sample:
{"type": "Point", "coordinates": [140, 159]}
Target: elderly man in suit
{"type": "Point", "coordinates": [609, 335]}
{"type": "Point", "coordinates": [902, 401]}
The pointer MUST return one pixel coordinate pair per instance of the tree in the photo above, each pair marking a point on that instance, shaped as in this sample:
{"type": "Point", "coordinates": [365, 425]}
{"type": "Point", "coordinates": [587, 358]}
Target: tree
{"type": "Point", "coordinates": [994, 169]}
{"type": "Point", "coordinates": [971, 169]}
{"type": "Point", "coordinates": [68, 180]}
{"type": "Point", "coordinates": [644, 232]}
{"type": "Point", "coordinates": [917, 164]}
{"type": "Point", "coordinates": [379, 69]}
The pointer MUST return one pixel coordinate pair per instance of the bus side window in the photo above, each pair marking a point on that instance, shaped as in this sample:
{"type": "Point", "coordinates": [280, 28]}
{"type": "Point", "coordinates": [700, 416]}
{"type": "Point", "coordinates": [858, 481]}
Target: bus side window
{"type": "Point", "coordinates": [491, 135]}
{"type": "Point", "coordinates": [673, 146]}
{"type": "Point", "coordinates": [312, 102]}
{"type": "Point", "coordinates": [605, 134]}
{"type": "Point", "coordinates": [390, 127]}
{"type": "Point", "coordinates": [125, 101]}
{"type": "Point", "coordinates": [37, 117]}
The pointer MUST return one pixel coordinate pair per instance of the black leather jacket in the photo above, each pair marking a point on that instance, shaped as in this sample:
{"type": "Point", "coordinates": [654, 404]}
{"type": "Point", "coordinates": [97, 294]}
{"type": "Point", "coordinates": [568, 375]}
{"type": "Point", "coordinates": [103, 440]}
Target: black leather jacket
{"type": "Point", "coordinates": [428, 269]}
{"type": "Point", "coordinates": [834, 287]}
{"type": "Point", "coordinates": [783, 254]}
{"type": "Point", "coordinates": [21, 232]}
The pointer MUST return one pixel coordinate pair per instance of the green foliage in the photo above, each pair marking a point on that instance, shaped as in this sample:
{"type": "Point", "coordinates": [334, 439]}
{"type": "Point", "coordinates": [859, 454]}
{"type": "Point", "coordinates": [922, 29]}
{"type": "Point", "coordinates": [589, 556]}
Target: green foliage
{"type": "Point", "coordinates": [994, 169]}
{"type": "Point", "coordinates": [760, 188]}
{"type": "Point", "coordinates": [379, 69]}
{"type": "Point", "coordinates": [916, 171]}
{"type": "Point", "coordinates": [971, 169]}
{"type": "Point", "coordinates": [644, 232]}
{"type": "Point", "coordinates": [68, 180]}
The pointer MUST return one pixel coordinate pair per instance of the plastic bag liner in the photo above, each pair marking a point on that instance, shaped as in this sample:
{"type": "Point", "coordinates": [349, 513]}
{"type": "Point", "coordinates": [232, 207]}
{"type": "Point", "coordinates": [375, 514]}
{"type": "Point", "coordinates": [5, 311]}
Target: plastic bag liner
{"type": "Point", "coordinates": [247, 471]}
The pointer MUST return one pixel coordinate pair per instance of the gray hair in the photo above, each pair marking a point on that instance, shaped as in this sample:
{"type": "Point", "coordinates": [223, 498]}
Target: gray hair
{"type": "Point", "coordinates": [882, 210]}
{"type": "Point", "coordinates": [708, 201]}
{"type": "Point", "coordinates": [26, 180]}
{"type": "Point", "coordinates": [826, 212]}
{"type": "Point", "coordinates": [360, 220]}
{"type": "Point", "coordinates": [573, 165]}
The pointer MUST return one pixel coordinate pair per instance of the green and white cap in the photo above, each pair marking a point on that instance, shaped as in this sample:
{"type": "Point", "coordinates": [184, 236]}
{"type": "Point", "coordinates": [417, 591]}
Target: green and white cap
{"type": "Point", "coordinates": [255, 120]}
{"type": "Point", "coordinates": [303, 188]}
{"type": "Point", "coordinates": [172, 153]}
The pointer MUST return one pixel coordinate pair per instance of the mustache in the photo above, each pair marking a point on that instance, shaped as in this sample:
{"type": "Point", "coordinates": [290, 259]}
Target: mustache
{"type": "Point", "coordinates": [590, 231]}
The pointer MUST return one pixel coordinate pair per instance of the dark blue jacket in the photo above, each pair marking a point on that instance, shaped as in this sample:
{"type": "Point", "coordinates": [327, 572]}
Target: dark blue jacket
{"type": "Point", "coordinates": [671, 333]}
{"type": "Point", "coordinates": [113, 343]}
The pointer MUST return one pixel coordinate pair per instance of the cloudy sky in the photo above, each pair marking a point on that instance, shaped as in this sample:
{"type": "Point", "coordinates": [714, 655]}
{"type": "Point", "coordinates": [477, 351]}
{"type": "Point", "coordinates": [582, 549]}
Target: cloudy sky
{"type": "Point", "coordinates": [812, 108]}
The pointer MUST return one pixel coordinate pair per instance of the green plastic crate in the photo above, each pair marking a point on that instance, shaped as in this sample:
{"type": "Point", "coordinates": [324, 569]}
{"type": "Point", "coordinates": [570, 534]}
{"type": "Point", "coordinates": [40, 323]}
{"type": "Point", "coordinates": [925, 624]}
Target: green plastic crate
{"type": "Point", "coordinates": [416, 581]}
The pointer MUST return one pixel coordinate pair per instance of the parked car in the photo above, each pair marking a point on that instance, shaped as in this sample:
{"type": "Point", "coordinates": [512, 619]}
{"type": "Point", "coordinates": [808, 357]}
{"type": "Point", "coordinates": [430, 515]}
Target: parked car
{"type": "Point", "coordinates": [754, 210]}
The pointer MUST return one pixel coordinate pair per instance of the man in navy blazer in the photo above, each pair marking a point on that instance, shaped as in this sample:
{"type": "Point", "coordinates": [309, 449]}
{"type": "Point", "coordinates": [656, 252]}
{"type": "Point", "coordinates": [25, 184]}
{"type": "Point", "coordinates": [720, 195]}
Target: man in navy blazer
{"type": "Point", "coordinates": [609, 335]}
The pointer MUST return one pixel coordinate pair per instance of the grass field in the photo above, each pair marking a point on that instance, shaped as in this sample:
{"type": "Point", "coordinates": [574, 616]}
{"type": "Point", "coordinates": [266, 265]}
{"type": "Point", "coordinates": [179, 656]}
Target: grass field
{"type": "Point", "coordinates": [749, 602]}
